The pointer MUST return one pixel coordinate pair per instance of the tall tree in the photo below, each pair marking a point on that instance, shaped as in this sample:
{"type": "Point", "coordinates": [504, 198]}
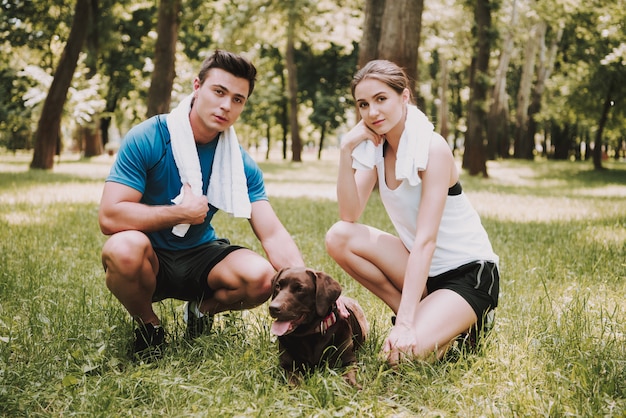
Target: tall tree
{"type": "Point", "coordinates": [160, 92]}
{"type": "Point", "coordinates": [545, 65]}
{"type": "Point", "coordinates": [391, 31]}
{"type": "Point", "coordinates": [124, 46]}
{"type": "Point", "coordinates": [400, 35]}
{"type": "Point", "coordinates": [292, 82]}
{"type": "Point", "coordinates": [524, 145]}
{"type": "Point", "coordinates": [498, 142]}
{"type": "Point", "coordinates": [47, 136]}
{"type": "Point", "coordinates": [474, 158]}
{"type": "Point", "coordinates": [372, 23]}
{"type": "Point", "coordinates": [593, 51]}
{"type": "Point", "coordinates": [322, 82]}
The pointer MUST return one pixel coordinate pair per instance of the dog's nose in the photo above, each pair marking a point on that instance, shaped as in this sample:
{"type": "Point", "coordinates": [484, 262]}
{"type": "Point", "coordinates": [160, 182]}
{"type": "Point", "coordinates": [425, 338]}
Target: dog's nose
{"type": "Point", "coordinates": [274, 309]}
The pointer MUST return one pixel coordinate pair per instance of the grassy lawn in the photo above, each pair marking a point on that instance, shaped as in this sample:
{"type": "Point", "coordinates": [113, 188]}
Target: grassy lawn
{"type": "Point", "coordinates": [558, 348]}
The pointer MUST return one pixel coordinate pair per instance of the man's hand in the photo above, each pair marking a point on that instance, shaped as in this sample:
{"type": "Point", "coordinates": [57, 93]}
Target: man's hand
{"type": "Point", "coordinates": [194, 208]}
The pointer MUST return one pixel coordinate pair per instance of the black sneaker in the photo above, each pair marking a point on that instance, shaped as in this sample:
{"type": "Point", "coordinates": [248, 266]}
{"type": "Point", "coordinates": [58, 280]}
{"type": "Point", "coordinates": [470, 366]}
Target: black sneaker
{"type": "Point", "coordinates": [196, 326]}
{"type": "Point", "coordinates": [149, 342]}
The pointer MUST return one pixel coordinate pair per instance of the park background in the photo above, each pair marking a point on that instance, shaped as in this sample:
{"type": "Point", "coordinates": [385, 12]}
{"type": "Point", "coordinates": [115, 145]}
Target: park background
{"type": "Point", "coordinates": [528, 94]}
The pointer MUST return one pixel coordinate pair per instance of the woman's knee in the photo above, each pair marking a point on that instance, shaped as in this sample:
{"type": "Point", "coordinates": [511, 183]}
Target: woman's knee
{"type": "Point", "coordinates": [337, 237]}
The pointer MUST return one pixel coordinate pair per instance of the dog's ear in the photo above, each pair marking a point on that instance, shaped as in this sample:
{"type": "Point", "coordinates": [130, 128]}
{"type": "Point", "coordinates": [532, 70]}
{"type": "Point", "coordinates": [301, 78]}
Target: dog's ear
{"type": "Point", "coordinates": [327, 290]}
{"type": "Point", "coordinates": [275, 279]}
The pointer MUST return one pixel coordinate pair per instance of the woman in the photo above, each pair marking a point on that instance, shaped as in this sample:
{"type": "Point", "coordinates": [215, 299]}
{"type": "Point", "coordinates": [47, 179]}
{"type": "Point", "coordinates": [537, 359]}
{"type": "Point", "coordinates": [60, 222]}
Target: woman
{"type": "Point", "coordinates": [439, 275]}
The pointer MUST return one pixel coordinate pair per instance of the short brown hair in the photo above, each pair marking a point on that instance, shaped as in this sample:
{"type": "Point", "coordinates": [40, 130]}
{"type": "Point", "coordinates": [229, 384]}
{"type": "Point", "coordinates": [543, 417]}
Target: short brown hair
{"type": "Point", "coordinates": [235, 64]}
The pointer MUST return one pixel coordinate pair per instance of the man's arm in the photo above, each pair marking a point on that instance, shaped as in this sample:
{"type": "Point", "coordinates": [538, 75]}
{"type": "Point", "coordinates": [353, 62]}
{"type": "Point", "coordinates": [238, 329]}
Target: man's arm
{"type": "Point", "coordinates": [121, 210]}
{"type": "Point", "coordinates": [280, 248]}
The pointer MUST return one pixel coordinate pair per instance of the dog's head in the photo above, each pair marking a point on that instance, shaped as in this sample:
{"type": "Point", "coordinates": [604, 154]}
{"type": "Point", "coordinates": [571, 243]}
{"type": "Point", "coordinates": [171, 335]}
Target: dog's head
{"type": "Point", "coordinates": [299, 296]}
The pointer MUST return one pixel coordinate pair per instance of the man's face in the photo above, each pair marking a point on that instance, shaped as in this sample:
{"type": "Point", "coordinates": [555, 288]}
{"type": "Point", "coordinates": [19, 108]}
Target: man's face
{"type": "Point", "coordinates": [218, 103]}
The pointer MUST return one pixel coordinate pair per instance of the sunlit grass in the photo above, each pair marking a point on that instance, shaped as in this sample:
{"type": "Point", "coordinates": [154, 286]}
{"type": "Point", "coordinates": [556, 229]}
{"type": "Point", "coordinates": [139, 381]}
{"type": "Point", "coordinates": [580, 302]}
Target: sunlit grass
{"type": "Point", "coordinates": [559, 346]}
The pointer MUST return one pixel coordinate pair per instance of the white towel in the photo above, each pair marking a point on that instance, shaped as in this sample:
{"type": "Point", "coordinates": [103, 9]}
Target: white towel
{"type": "Point", "coordinates": [412, 153]}
{"type": "Point", "coordinates": [366, 155]}
{"type": "Point", "coordinates": [228, 189]}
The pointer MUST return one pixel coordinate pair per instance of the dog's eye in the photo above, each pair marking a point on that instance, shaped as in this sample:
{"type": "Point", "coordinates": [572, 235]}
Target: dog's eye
{"type": "Point", "coordinates": [297, 287]}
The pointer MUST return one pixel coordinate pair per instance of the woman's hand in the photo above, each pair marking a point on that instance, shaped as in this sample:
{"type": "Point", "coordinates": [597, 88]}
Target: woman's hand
{"type": "Point", "coordinates": [401, 344]}
{"type": "Point", "coordinates": [359, 133]}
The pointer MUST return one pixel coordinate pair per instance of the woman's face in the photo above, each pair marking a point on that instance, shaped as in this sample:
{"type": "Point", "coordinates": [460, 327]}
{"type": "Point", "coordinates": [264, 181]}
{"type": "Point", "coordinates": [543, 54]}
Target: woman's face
{"type": "Point", "coordinates": [382, 109]}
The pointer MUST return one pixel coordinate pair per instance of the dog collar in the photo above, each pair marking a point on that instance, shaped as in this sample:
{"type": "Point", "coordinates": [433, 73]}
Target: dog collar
{"type": "Point", "coordinates": [328, 321]}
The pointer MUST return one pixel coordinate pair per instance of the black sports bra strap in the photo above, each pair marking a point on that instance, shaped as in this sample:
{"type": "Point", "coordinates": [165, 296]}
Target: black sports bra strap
{"type": "Point", "coordinates": [455, 190]}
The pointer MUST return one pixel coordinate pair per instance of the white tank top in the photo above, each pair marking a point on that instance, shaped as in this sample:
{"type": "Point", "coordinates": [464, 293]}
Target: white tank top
{"type": "Point", "coordinates": [461, 238]}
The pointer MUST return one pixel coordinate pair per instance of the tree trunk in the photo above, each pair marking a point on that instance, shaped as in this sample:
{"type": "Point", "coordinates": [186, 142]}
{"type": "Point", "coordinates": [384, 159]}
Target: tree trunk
{"type": "Point", "coordinates": [498, 142]}
{"type": "Point", "coordinates": [524, 146]}
{"type": "Point", "coordinates": [284, 121]}
{"type": "Point", "coordinates": [292, 83]}
{"type": "Point", "coordinates": [49, 124]}
{"type": "Point", "coordinates": [372, 24]}
{"type": "Point", "coordinates": [268, 133]}
{"type": "Point", "coordinates": [474, 157]}
{"type": "Point", "coordinates": [400, 35]}
{"type": "Point", "coordinates": [562, 139]}
{"type": "Point", "coordinates": [160, 92]}
{"type": "Point", "coordinates": [91, 137]}
{"type": "Point", "coordinates": [597, 143]}
{"type": "Point", "coordinates": [544, 70]}
{"type": "Point", "coordinates": [322, 136]}
{"type": "Point", "coordinates": [444, 131]}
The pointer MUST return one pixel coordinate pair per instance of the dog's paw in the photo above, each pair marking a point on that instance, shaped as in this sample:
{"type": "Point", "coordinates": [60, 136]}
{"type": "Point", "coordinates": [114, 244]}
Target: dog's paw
{"type": "Point", "coordinates": [350, 377]}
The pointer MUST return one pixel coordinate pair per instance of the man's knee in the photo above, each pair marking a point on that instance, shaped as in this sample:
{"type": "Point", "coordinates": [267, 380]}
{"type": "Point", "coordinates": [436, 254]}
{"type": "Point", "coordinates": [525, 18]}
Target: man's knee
{"type": "Point", "coordinates": [261, 288]}
{"type": "Point", "coordinates": [125, 251]}
{"type": "Point", "coordinates": [130, 263]}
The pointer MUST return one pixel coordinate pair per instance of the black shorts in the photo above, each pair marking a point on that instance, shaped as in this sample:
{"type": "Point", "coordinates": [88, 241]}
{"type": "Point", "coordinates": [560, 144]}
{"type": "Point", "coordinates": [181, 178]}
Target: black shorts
{"type": "Point", "coordinates": [183, 274]}
{"type": "Point", "coordinates": [477, 282]}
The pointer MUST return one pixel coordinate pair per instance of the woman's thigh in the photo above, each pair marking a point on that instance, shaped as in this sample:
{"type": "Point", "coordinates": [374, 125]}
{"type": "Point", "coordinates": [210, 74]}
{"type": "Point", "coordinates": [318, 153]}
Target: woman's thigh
{"type": "Point", "coordinates": [380, 248]}
{"type": "Point", "coordinates": [442, 315]}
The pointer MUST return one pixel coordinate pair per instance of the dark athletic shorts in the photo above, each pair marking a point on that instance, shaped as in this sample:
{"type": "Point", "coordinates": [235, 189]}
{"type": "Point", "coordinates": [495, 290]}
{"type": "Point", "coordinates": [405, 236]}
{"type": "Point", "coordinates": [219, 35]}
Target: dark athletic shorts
{"type": "Point", "coordinates": [183, 273]}
{"type": "Point", "coordinates": [477, 282]}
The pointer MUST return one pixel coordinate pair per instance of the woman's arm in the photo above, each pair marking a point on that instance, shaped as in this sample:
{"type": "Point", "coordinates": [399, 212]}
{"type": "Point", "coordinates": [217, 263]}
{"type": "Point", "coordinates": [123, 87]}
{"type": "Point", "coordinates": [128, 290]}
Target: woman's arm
{"type": "Point", "coordinates": [436, 179]}
{"type": "Point", "coordinates": [354, 186]}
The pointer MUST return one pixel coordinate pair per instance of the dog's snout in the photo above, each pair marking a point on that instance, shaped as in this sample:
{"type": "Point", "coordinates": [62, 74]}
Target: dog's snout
{"type": "Point", "coordinates": [275, 309]}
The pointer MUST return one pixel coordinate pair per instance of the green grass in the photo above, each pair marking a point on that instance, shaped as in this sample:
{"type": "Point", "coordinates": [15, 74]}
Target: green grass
{"type": "Point", "coordinates": [559, 346]}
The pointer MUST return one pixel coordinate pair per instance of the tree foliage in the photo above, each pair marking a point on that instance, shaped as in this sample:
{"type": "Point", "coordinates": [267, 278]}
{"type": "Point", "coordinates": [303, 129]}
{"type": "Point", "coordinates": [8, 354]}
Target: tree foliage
{"type": "Point", "coordinates": [47, 136]}
{"type": "Point", "coordinates": [569, 103]}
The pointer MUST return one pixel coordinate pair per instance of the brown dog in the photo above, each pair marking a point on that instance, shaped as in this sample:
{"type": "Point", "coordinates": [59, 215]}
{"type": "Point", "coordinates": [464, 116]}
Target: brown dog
{"type": "Point", "coordinates": [309, 327]}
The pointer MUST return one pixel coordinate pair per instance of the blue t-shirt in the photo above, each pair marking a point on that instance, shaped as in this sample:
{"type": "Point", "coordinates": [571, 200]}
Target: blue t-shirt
{"type": "Point", "coordinates": [145, 162]}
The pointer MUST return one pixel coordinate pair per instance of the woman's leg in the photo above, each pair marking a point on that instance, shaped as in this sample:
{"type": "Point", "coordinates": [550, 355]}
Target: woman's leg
{"type": "Point", "coordinates": [442, 316]}
{"type": "Point", "coordinates": [374, 258]}
{"type": "Point", "coordinates": [378, 261]}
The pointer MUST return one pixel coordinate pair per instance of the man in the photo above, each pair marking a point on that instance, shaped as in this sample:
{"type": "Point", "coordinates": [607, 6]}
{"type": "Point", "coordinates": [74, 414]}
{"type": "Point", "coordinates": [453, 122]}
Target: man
{"type": "Point", "coordinates": [144, 260]}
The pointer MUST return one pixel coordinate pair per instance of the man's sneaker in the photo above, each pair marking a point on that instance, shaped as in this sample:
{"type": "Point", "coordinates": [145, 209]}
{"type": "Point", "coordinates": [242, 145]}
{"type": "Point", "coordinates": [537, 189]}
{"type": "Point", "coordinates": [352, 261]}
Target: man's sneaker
{"type": "Point", "coordinates": [149, 342]}
{"type": "Point", "coordinates": [196, 326]}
